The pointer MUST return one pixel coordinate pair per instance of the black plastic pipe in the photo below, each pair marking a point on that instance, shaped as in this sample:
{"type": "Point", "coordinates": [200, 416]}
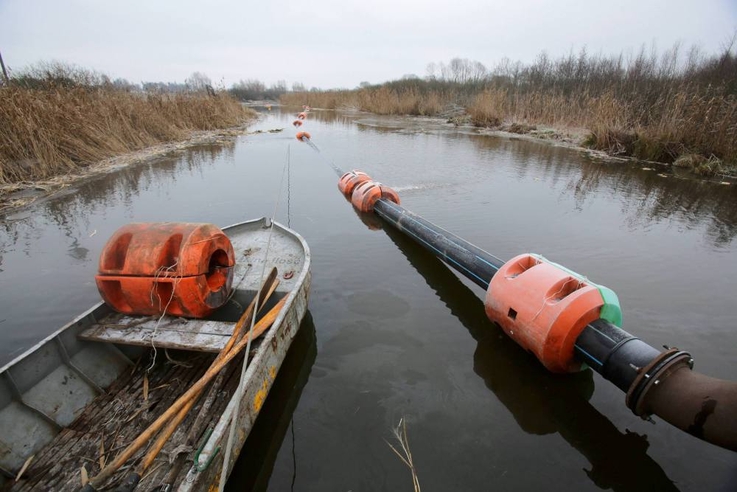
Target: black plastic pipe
{"type": "Point", "coordinates": [474, 263]}
{"type": "Point", "coordinates": [655, 382]}
{"type": "Point", "coordinates": [613, 353]}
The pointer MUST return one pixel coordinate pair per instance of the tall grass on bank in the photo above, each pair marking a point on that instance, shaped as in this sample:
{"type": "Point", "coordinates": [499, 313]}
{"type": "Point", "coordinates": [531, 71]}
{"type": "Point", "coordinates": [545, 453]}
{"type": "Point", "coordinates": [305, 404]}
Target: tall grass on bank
{"type": "Point", "coordinates": [52, 125]}
{"type": "Point", "coordinates": [651, 106]}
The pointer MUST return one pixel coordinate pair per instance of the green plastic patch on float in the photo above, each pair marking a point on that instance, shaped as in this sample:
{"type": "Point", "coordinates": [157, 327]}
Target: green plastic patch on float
{"type": "Point", "coordinates": [611, 310]}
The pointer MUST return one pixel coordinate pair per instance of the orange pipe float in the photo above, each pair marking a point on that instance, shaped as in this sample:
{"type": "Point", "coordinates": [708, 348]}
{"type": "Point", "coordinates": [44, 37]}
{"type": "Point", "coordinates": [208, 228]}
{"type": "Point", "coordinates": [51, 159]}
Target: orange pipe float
{"type": "Point", "coordinates": [179, 268]}
{"type": "Point", "coordinates": [543, 308]}
{"type": "Point", "coordinates": [350, 180]}
{"type": "Point", "coordinates": [366, 194]}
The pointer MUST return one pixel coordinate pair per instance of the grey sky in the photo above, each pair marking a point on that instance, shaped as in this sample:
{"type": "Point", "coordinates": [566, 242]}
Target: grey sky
{"type": "Point", "coordinates": [338, 43]}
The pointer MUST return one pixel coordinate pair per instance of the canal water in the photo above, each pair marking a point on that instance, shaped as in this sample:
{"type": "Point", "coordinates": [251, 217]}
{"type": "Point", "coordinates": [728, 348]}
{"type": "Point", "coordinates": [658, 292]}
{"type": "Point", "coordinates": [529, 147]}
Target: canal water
{"type": "Point", "coordinates": [393, 335]}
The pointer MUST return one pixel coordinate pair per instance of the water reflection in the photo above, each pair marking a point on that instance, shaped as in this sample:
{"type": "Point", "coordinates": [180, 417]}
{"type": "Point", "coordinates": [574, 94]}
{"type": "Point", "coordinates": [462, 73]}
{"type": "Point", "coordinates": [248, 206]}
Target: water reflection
{"type": "Point", "coordinates": [643, 195]}
{"type": "Point", "coordinates": [70, 210]}
{"type": "Point", "coordinates": [541, 402]}
{"type": "Point", "coordinates": [648, 196]}
{"type": "Point", "coordinates": [255, 464]}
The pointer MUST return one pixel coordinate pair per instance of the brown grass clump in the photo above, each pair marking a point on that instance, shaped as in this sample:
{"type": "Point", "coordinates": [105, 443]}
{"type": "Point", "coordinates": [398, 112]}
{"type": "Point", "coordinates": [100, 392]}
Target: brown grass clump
{"type": "Point", "coordinates": [703, 166]}
{"type": "Point", "coordinates": [521, 128]}
{"type": "Point", "coordinates": [53, 127]}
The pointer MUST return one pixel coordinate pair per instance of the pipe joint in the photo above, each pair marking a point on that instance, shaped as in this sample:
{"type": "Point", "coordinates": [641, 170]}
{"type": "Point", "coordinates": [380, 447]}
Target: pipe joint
{"type": "Point", "coordinates": [650, 377]}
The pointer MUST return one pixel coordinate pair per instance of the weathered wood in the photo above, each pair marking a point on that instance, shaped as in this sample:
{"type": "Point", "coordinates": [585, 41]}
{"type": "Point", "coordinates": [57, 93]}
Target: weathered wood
{"type": "Point", "coordinates": [245, 320]}
{"type": "Point", "coordinates": [117, 416]}
{"type": "Point", "coordinates": [263, 324]}
{"type": "Point", "coordinates": [86, 450]}
{"type": "Point", "coordinates": [46, 459]}
{"type": "Point", "coordinates": [197, 335]}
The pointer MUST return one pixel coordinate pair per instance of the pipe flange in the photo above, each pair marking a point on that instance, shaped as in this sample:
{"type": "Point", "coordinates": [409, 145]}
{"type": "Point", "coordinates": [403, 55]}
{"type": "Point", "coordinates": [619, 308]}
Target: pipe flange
{"type": "Point", "coordinates": [648, 378]}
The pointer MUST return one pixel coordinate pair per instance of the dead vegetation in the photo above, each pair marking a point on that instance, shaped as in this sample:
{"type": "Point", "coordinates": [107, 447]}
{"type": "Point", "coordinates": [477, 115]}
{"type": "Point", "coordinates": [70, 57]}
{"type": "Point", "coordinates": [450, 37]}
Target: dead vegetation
{"type": "Point", "coordinates": [404, 453]}
{"type": "Point", "coordinates": [57, 120]}
{"type": "Point", "coordinates": [650, 106]}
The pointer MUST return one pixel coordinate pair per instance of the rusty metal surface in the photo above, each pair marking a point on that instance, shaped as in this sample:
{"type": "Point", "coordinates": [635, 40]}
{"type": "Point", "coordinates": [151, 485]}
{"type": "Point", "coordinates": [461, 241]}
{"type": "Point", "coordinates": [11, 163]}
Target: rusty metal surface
{"type": "Point", "coordinates": [700, 405]}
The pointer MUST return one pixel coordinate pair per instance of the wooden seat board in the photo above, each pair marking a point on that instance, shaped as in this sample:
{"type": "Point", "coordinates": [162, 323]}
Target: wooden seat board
{"type": "Point", "coordinates": [174, 333]}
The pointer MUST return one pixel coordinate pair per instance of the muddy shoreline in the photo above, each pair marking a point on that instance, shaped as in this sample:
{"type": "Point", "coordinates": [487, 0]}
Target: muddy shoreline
{"type": "Point", "coordinates": [16, 196]}
{"type": "Point", "coordinates": [571, 138]}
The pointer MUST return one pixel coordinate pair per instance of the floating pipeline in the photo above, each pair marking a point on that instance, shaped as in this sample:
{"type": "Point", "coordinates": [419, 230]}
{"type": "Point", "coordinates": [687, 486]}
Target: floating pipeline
{"type": "Point", "coordinates": [569, 323]}
{"type": "Point", "coordinates": [561, 405]}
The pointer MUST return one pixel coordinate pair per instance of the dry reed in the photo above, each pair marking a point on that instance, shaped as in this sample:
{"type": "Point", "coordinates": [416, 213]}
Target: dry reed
{"type": "Point", "coordinates": [650, 106]}
{"type": "Point", "coordinates": [400, 434]}
{"type": "Point", "coordinates": [59, 128]}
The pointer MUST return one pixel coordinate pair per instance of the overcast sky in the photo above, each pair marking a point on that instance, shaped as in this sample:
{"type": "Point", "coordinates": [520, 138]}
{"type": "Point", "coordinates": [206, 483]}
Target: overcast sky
{"type": "Point", "coordinates": [339, 43]}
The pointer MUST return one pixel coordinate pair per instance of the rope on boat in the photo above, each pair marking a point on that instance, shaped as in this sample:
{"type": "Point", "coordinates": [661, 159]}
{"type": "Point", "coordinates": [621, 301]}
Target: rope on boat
{"type": "Point", "coordinates": [241, 383]}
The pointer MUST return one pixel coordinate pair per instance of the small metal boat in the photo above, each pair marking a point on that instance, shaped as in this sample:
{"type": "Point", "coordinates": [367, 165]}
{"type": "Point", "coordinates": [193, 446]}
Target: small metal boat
{"type": "Point", "coordinates": [72, 402]}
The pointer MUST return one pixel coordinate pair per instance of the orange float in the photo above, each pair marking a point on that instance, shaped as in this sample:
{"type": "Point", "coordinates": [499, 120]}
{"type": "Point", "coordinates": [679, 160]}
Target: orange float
{"type": "Point", "coordinates": [301, 135]}
{"type": "Point", "coordinates": [302, 115]}
{"type": "Point", "coordinates": [182, 269]}
{"type": "Point", "coordinates": [348, 182]}
{"type": "Point", "coordinates": [297, 123]}
{"type": "Point", "coordinates": [544, 308]}
{"type": "Point", "coordinates": [367, 193]}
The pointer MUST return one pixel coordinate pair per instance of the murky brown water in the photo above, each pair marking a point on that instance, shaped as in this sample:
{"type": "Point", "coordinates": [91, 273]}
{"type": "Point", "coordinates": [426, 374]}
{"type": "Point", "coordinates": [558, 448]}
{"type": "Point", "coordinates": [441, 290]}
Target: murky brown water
{"type": "Point", "coordinates": [399, 335]}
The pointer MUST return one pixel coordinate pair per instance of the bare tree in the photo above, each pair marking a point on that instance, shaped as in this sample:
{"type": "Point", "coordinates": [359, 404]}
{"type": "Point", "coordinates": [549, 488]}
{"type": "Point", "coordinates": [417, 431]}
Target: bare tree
{"type": "Point", "coordinates": [198, 81]}
{"type": "Point", "coordinates": [5, 72]}
{"type": "Point", "coordinates": [431, 71]}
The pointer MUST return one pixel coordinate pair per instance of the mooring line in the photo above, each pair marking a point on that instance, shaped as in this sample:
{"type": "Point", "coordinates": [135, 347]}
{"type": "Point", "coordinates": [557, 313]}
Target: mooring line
{"type": "Point", "coordinates": [244, 368]}
{"type": "Point", "coordinates": [305, 137]}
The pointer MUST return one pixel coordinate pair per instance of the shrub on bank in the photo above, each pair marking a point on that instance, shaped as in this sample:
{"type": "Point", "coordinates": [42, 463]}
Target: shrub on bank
{"type": "Point", "coordinates": [60, 123]}
{"type": "Point", "coordinates": [650, 106]}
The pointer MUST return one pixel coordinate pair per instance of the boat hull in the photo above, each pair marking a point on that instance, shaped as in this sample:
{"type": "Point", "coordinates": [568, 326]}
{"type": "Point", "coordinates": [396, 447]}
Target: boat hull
{"type": "Point", "coordinates": [46, 389]}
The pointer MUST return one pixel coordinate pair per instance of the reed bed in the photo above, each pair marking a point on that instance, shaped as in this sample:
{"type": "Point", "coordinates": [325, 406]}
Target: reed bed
{"type": "Point", "coordinates": [649, 106]}
{"type": "Point", "coordinates": [58, 127]}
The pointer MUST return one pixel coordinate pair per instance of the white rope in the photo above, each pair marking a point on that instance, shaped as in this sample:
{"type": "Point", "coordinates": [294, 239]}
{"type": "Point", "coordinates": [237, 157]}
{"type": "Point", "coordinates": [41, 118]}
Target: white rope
{"type": "Point", "coordinates": [161, 271]}
{"type": "Point", "coordinates": [241, 382]}
{"type": "Point", "coordinates": [165, 271]}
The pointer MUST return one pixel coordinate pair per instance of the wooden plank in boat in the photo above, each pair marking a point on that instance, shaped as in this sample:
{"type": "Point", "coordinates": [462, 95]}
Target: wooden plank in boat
{"type": "Point", "coordinates": [197, 335]}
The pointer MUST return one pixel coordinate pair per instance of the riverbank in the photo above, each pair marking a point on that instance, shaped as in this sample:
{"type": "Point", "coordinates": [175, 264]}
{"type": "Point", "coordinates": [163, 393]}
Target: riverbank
{"type": "Point", "coordinates": [57, 123]}
{"type": "Point", "coordinates": [569, 137]}
{"type": "Point", "coordinates": [20, 194]}
{"type": "Point", "coordinates": [575, 137]}
{"type": "Point", "coordinates": [652, 107]}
